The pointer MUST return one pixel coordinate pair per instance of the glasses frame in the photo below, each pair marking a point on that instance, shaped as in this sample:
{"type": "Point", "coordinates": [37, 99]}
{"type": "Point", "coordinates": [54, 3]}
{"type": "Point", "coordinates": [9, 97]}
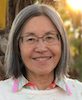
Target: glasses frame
{"type": "Point", "coordinates": [43, 38]}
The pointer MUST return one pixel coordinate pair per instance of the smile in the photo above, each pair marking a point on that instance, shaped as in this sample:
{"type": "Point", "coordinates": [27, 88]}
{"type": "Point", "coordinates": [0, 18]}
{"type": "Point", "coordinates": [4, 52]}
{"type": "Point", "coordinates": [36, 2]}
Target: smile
{"type": "Point", "coordinates": [44, 58]}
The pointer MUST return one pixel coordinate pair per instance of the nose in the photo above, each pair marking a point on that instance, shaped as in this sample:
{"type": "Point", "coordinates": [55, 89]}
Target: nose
{"type": "Point", "coordinates": [41, 47]}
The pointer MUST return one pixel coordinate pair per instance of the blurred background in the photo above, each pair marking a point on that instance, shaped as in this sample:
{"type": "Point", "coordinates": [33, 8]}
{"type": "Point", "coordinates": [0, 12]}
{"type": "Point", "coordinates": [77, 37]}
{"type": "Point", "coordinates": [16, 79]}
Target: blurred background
{"type": "Point", "coordinates": [71, 13]}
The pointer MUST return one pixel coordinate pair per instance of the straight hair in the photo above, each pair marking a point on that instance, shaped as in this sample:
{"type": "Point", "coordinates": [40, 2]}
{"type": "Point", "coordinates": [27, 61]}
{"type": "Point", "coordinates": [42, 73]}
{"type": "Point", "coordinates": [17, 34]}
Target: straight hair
{"type": "Point", "coordinates": [14, 63]}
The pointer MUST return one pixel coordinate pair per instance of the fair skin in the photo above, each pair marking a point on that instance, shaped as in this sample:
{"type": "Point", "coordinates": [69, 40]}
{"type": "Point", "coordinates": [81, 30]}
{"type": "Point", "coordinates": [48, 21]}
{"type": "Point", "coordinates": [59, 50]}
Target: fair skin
{"type": "Point", "coordinates": [40, 59]}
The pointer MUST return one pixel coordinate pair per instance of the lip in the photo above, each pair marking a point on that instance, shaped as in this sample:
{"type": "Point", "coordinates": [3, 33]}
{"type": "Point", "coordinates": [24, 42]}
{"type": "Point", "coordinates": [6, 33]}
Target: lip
{"type": "Point", "coordinates": [42, 58]}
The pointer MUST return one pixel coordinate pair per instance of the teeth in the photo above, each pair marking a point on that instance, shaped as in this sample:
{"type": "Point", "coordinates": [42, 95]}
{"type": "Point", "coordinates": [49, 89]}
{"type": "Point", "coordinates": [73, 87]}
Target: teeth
{"type": "Point", "coordinates": [42, 58]}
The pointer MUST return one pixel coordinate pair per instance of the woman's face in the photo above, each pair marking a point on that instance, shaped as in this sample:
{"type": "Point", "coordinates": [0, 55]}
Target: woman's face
{"type": "Point", "coordinates": [40, 48]}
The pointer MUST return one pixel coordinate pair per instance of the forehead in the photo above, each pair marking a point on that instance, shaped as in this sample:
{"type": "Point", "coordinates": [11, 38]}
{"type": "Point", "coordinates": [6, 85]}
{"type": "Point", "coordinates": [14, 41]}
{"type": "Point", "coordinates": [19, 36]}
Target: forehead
{"type": "Point", "coordinates": [38, 24]}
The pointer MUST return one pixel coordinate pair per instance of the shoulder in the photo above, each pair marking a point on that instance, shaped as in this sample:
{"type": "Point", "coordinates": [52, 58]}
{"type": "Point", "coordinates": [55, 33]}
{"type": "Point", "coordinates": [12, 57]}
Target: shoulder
{"type": "Point", "coordinates": [5, 88]}
{"type": "Point", "coordinates": [6, 84]}
{"type": "Point", "coordinates": [74, 82]}
{"type": "Point", "coordinates": [75, 85]}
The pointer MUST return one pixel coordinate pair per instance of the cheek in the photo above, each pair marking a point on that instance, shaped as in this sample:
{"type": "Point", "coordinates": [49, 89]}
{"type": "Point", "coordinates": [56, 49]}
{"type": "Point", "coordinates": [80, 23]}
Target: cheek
{"type": "Point", "coordinates": [25, 52]}
{"type": "Point", "coordinates": [59, 50]}
{"type": "Point", "coordinates": [56, 50]}
{"type": "Point", "coordinates": [57, 53]}
{"type": "Point", "coordinates": [59, 47]}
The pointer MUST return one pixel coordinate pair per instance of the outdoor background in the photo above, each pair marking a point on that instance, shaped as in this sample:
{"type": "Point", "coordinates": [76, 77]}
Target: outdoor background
{"type": "Point", "coordinates": [71, 13]}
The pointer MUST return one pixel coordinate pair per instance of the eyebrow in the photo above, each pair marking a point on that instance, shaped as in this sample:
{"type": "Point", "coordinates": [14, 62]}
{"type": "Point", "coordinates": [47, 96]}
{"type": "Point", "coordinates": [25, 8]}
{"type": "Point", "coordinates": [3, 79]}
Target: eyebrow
{"type": "Point", "coordinates": [33, 34]}
{"type": "Point", "coordinates": [50, 32]}
{"type": "Point", "coordinates": [29, 34]}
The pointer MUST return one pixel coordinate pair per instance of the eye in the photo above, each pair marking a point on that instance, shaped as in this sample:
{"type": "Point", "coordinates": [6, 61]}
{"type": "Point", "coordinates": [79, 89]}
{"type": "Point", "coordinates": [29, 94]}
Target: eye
{"type": "Point", "coordinates": [30, 39]}
{"type": "Point", "coordinates": [49, 38]}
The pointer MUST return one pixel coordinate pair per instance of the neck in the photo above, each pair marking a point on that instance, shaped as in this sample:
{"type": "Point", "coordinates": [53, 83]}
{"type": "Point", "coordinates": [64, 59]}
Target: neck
{"type": "Point", "coordinates": [41, 81]}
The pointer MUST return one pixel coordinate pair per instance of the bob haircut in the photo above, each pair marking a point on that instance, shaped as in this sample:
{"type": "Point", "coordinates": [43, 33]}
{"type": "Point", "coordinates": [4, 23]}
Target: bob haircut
{"type": "Point", "coordinates": [13, 60]}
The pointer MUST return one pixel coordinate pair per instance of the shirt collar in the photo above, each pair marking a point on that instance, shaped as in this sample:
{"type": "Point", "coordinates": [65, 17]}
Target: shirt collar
{"type": "Point", "coordinates": [63, 84]}
{"type": "Point", "coordinates": [21, 81]}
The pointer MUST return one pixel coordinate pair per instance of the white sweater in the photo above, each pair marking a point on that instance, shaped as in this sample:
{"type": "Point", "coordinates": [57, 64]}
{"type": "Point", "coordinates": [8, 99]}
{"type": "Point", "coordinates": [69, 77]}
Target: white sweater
{"type": "Point", "coordinates": [58, 93]}
{"type": "Point", "coordinates": [26, 94]}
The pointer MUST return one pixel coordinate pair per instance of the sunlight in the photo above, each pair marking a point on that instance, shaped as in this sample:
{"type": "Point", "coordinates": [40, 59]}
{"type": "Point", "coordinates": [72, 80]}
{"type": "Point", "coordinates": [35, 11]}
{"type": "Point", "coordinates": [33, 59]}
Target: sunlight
{"type": "Point", "coordinates": [75, 4]}
{"type": "Point", "coordinates": [37, 2]}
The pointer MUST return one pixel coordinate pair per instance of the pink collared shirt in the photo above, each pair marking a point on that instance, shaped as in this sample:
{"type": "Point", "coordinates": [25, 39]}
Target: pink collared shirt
{"type": "Point", "coordinates": [31, 85]}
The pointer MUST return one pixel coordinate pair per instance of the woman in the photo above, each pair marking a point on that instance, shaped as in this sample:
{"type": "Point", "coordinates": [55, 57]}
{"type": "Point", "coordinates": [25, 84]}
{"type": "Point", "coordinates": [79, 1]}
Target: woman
{"type": "Point", "coordinates": [37, 58]}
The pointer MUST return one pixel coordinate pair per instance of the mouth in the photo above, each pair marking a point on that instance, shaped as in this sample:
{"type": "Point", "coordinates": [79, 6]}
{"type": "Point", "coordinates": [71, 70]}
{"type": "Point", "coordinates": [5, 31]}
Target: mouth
{"type": "Point", "coordinates": [43, 58]}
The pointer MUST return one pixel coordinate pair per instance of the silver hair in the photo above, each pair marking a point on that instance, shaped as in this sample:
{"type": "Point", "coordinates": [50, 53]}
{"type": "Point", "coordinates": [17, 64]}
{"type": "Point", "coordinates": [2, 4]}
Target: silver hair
{"type": "Point", "coordinates": [13, 60]}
